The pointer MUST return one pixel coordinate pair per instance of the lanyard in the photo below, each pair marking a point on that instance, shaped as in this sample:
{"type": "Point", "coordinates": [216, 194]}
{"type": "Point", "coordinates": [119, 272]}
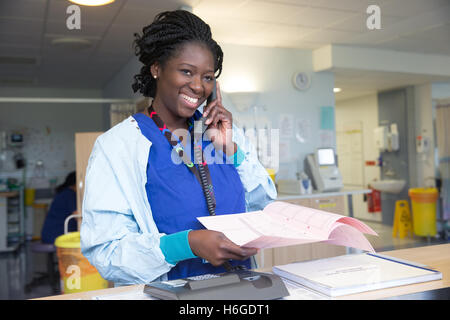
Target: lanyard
{"type": "Point", "coordinates": [201, 171]}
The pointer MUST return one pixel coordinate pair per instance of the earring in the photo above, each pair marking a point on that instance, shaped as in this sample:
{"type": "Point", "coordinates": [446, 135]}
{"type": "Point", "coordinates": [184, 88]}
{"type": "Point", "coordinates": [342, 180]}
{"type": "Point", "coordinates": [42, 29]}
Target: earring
{"type": "Point", "coordinates": [155, 77]}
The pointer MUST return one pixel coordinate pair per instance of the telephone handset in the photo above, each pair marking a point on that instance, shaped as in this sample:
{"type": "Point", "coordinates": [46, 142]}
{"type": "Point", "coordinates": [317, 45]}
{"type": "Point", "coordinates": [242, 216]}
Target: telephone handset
{"type": "Point", "coordinates": [198, 134]}
{"type": "Point", "coordinates": [213, 95]}
{"type": "Point", "coordinates": [199, 130]}
{"type": "Point", "coordinates": [200, 126]}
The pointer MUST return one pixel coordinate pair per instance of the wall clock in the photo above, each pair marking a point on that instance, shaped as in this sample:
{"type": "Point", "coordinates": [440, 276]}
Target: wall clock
{"type": "Point", "coordinates": [301, 81]}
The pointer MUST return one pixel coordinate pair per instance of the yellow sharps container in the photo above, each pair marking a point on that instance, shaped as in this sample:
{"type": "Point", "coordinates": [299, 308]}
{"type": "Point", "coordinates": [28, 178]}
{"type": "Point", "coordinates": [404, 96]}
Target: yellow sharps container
{"type": "Point", "coordinates": [423, 202]}
{"type": "Point", "coordinates": [76, 273]}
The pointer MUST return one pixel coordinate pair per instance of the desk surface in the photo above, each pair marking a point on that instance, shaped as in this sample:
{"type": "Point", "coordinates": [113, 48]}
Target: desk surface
{"type": "Point", "coordinates": [315, 194]}
{"type": "Point", "coordinates": [9, 194]}
{"type": "Point", "coordinates": [435, 257]}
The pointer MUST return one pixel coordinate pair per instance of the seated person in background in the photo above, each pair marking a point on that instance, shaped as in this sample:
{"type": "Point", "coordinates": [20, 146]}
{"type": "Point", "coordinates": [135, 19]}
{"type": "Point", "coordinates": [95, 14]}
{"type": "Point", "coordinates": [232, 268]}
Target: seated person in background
{"type": "Point", "coordinates": [63, 205]}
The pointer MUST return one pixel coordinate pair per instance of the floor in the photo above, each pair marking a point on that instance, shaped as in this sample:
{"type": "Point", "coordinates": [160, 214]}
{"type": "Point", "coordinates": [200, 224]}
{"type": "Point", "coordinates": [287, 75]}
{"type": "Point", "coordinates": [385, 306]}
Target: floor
{"type": "Point", "coordinates": [18, 268]}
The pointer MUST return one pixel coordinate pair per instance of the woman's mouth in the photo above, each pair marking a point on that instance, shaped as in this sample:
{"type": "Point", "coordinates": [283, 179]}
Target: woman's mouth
{"type": "Point", "coordinates": [190, 101]}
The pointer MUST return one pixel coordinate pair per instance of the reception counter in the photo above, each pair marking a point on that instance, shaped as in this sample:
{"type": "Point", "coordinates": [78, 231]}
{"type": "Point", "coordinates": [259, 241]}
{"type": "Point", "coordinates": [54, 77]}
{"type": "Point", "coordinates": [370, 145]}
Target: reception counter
{"type": "Point", "coordinates": [435, 257]}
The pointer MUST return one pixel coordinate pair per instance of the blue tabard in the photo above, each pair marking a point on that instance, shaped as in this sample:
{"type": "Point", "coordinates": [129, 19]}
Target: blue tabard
{"type": "Point", "coordinates": [176, 196]}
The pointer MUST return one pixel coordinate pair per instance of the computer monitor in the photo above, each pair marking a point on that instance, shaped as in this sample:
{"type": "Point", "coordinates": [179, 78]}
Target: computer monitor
{"type": "Point", "coordinates": [325, 157]}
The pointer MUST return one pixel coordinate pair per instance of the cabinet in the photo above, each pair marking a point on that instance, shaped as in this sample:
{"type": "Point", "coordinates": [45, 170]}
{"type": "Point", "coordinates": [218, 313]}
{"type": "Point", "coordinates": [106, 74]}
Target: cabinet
{"type": "Point", "coordinates": [309, 251]}
{"type": "Point", "coordinates": [11, 220]}
{"type": "Point", "coordinates": [84, 142]}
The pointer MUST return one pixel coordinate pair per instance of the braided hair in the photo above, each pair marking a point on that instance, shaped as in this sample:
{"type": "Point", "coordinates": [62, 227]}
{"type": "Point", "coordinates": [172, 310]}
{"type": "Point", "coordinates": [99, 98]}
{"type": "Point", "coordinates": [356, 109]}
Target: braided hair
{"type": "Point", "coordinates": [163, 37]}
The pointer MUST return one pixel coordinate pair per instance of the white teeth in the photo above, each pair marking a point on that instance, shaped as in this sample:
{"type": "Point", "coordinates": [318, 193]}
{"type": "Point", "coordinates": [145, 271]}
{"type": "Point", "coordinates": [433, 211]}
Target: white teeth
{"type": "Point", "coordinates": [191, 100]}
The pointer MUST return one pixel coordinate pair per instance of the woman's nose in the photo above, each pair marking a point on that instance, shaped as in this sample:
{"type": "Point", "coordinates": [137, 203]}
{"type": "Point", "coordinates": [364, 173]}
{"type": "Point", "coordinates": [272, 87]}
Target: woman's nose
{"type": "Point", "coordinates": [196, 85]}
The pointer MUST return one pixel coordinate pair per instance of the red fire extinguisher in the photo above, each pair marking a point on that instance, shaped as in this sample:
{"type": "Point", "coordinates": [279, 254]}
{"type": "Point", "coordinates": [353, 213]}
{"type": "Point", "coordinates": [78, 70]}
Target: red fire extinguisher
{"type": "Point", "coordinates": [374, 201]}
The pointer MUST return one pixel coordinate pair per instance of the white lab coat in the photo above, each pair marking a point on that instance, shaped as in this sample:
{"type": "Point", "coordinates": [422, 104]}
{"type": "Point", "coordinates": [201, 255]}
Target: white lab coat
{"type": "Point", "coordinates": [118, 234]}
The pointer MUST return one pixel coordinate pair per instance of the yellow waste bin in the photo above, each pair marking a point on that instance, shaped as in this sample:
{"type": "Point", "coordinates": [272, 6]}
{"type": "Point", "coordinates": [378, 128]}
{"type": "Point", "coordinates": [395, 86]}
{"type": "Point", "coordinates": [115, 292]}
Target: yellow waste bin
{"type": "Point", "coordinates": [271, 173]}
{"type": "Point", "coordinates": [76, 273]}
{"type": "Point", "coordinates": [423, 201]}
{"type": "Point", "coordinates": [29, 196]}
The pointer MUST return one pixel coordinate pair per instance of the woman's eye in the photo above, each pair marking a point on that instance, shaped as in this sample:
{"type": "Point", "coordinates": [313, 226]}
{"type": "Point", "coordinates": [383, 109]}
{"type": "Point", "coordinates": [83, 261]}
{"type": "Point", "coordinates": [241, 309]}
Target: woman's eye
{"type": "Point", "coordinates": [209, 78]}
{"type": "Point", "coordinates": [185, 71]}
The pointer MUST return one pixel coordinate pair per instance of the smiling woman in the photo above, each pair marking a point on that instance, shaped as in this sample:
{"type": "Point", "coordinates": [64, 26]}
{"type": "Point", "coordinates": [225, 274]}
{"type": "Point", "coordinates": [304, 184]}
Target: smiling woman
{"type": "Point", "coordinates": [140, 206]}
{"type": "Point", "coordinates": [163, 38]}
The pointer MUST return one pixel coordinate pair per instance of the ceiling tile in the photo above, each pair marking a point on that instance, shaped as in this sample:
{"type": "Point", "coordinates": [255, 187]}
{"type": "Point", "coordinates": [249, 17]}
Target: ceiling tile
{"type": "Point", "coordinates": [20, 39]}
{"type": "Point", "coordinates": [268, 12]}
{"type": "Point", "coordinates": [291, 2]}
{"type": "Point", "coordinates": [163, 4]}
{"type": "Point", "coordinates": [24, 9]}
{"type": "Point", "coordinates": [57, 54]}
{"type": "Point", "coordinates": [357, 6]}
{"type": "Point", "coordinates": [415, 44]}
{"type": "Point", "coordinates": [16, 70]}
{"type": "Point", "coordinates": [327, 36]}
{"type": "Point", "coordinates": [20, 25]}
{"type": "Point", "coordinates": [99, 15]}
{"type": "Point", "coordinates": [220, 8]}
{"type": "Point", "coordinates": [226, 28]}
{"type": "Point", "coordinates": [136, 16]}
{"type": "Point", "coordinates": [19, 50]}
{"type": "Point", "coordinates": [283, 33]}
{"type": "Point", "coordinates": [358, 23]}
{"type": "Point", "coordinates": [408, 25]}
{"type": "Point", "coordinates": [319, 18]}
{"type": "Point", "coordinates": [409, 8]}
{"type": "Point", "coordinates": [437, 33]}
{"type": "Point", "coordinates": [88, 30]}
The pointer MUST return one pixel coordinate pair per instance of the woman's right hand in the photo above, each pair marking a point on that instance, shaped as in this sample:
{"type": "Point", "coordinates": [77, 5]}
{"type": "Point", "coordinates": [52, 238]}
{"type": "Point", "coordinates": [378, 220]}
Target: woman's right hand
{"type": "Point", "coordinates": [216, 248]}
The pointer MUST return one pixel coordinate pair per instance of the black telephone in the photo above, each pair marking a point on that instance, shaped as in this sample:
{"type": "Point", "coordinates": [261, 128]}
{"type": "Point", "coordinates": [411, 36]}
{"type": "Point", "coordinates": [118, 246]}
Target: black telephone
{"type": "Point", "coordinates": [213, 95]}
{"type": "Point", "coordinates": [201, 123]}
{"type": "Point", "coordinates": [238, 285]}
{"type": "Point", "coordinates": [200, 126]}
{"type": "Point", "coordinates": [198, 133]}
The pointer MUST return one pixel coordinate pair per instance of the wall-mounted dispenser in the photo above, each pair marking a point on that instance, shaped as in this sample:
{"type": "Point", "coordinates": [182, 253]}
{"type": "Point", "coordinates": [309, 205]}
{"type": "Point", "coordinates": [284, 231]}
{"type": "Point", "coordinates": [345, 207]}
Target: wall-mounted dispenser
{"type": "Point", "coordinates": [422, 144]}
{"type": "Point", "coordinates": [381, 138]}
{"type": "Point", "coordinates": [393, 139]}
{"type": "Point", "coordinates": [387, 138]}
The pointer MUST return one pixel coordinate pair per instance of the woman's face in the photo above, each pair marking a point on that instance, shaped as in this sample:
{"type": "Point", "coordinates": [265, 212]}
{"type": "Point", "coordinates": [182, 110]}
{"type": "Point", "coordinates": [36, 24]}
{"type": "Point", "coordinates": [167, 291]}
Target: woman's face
{"type": "Point", "coordinates": [185, 80]}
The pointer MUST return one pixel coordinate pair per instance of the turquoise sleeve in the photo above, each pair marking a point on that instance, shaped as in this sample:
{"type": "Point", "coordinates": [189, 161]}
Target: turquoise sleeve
{"type": "Point", "coordinates": [175, 247]}
{"type": "Point", "coordinates": [236, 158]}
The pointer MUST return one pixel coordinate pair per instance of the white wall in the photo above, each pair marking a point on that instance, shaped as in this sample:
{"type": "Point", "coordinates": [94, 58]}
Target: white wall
{"type": "Point", "coordinates": [424, 127]}
{"type": "Point", "coordinates": [269, 71]}
{"type": "Point", "coordinates": [440, 90]}
{"type": "Point", "coordinates": [49, 128]}
{"type": "Point", "coordinates": [424, 95]}
{"type": "Point", "coordinates": [120, 85]}
{"type": "Point", "coordinates": [363, 111]}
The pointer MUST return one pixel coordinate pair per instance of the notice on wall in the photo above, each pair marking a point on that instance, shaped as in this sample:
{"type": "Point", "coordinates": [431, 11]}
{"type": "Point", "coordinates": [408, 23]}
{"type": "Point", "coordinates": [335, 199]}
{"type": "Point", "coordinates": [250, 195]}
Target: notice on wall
{"type": "Point", "coordinates": [350, 153]}
{"type": "Point", "coordinates": [286, 125]}
{"type": "Point", "coordinates": [302, 130]}
{"type": "Point", "coordinates": [326, 118]}
{"type": "Point", "coordinates": [326, 138]}
{"type": "Point", "coordinates": [284, 151]}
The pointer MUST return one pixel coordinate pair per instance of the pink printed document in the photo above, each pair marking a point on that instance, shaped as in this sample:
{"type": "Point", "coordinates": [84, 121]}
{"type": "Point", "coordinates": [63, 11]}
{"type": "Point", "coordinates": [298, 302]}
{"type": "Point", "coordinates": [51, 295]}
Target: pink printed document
{"type": "Point", "coordinates": [283, 224]}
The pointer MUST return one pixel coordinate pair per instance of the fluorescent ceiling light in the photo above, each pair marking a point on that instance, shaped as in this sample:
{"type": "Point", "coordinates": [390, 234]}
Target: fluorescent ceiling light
{"type": "Point", "coordinates": [92, 2]}
{"type": "Point", "coordinates": [336, 90]}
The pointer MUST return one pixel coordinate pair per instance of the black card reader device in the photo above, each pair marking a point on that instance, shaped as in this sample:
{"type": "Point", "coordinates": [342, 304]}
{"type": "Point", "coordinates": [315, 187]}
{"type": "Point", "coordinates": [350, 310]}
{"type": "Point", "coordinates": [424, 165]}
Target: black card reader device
{"type": "Point", "coordinates": [237, 285]}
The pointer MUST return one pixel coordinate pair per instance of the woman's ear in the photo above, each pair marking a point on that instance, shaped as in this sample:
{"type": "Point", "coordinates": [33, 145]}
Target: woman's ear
{"type": "Point", "coordinates": [154, 69]}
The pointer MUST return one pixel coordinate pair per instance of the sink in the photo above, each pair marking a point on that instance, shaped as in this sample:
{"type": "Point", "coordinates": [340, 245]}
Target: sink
{"type": "Point", "coordinates": [389, 186]}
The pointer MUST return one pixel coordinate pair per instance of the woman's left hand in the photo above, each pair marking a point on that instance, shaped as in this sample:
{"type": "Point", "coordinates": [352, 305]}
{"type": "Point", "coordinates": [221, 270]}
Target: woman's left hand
{"type": "Point", "coordinates": [220, 124]}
